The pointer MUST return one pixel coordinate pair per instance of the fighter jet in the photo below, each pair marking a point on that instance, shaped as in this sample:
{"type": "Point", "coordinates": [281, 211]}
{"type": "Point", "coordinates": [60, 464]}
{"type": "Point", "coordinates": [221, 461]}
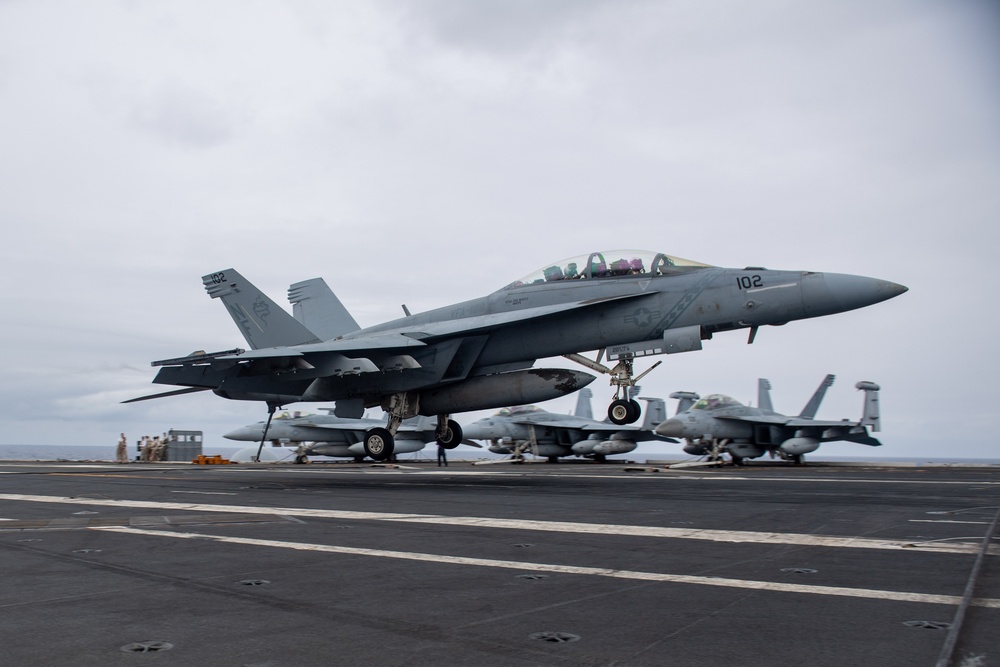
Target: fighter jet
{"type": "Point", "coordinates": [529, 429]}
{"type": "Point", "coordinates": [717, 423]}
{"type": "Point", "coordinates": [329, 435]}
{"type": "Point", "coordinates": [478, 354]}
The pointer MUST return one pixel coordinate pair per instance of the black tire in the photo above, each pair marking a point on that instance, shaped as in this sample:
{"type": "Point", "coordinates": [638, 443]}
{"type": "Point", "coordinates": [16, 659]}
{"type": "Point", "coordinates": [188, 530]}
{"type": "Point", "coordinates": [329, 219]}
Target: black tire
{"type": "Point", "coordinates": [379, 443]}
{"type": "Point", "coordinates": [636, 411]}
{"type": "Point", "coordinates": [620, 412]}
{"type": "Point", "coordinates": [452, 437]}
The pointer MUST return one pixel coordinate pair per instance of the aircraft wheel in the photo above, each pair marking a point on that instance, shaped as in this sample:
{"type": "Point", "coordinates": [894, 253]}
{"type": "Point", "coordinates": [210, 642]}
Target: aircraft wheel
{"type": "Point", "coordinates": [620, 412]}
{"type": "Point", "coordinates": [737, 460]}
{"type": "Point", "coordinates": [636, 410]}
{"type": "Point", "coordinates": [379, 443]}
{"type": "Point", "coordinates": [452, 437]}
{"type": "Point", "coordinates": [301, 459]}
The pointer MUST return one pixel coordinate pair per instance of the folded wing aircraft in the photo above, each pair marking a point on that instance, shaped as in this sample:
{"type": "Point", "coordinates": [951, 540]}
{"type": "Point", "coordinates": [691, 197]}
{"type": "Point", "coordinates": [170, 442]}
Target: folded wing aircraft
{"type": "Point", "coordinates": [479, 354]}
{"type": "Point", "coordinates": [529, 429]}
{"type": "Point", "coordinates": [718, 423]}
{"type": "Point", "coordinates": [329, 435]}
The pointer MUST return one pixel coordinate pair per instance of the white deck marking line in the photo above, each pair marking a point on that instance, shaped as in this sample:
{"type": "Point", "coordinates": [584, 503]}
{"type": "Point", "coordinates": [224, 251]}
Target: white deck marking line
{"type": "Point", "coordinates": [872, 594]}
{"type": "Point", "coordinates": [731, 536]}
{"type": "Point", "coordinates": [206, 493]}
{"type": "Point", "coordinates": [664, 476]}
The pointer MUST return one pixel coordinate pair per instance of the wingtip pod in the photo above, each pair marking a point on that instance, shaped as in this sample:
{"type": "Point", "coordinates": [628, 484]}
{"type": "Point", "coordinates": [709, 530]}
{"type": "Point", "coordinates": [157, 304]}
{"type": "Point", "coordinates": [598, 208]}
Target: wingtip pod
{"type": "Point", "coordinates": [872, 414]}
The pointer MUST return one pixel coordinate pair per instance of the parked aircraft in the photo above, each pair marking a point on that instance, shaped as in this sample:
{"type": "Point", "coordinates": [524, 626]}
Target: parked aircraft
{"type": "Point", "coordinates": [529, 429]}
{"type": "Point", "coordinates": [717, 423]}
{"type": "Point", "coordinates": [329, 435]}
{"type": "Point", "coordinates": [479, 354]}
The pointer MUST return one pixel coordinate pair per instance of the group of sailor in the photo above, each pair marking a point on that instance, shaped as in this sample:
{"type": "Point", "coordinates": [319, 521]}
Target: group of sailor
{"type": "Point", "coordinates": [150, 449]}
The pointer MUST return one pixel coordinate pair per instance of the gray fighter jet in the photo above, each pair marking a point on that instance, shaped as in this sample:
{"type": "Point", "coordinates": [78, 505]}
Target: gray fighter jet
{"type": "Point", "coordinates": [529, 429]}
{"type": "Point", "coordinates": [329, 435]}
{"type": "Point", "coordinates": [719, 424]}
{"type": "Point", "coordinates": [479, 354]}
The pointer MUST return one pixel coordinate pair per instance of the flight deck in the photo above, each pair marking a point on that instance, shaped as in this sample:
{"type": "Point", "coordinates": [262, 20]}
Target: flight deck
{"type": "Point", "coordinates": [565, 564]}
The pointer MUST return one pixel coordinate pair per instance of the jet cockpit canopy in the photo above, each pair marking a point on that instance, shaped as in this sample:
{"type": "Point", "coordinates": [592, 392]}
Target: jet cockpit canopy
{"type": "Point", "coordinates": [714, 402]}
{"type": "Point", "coordinates": [517, 410]}
{"type": "Point", "coordinates": [609, 264]}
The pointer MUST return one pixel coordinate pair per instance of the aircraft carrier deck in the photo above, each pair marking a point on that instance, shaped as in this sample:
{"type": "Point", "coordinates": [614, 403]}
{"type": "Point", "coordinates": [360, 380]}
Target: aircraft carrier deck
{"type": "Point", "coordinates": [568, 564]}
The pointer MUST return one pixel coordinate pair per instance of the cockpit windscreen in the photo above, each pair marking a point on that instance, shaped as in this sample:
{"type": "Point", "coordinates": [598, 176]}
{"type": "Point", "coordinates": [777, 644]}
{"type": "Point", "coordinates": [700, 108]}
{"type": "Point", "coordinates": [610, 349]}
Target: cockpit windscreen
{"type": "Point", "coordinates": [715, 401]}
{"type": "Point", "coordinates": [609, 264]}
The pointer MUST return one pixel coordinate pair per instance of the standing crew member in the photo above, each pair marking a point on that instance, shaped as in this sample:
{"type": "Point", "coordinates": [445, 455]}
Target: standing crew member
{"type": "Point", "coordinates": [442, 457]}
{"type": "Point", "coordinates": [121, 454]}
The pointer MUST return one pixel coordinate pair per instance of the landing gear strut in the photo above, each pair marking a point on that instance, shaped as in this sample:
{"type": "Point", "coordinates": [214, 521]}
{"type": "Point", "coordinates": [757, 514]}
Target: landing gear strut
{"type": "Point", "coordinates": [380, 442]}
{"type": "Point", "coordinates": [271, 407]}
{"type": "Point", "coordinates": [623, 409]}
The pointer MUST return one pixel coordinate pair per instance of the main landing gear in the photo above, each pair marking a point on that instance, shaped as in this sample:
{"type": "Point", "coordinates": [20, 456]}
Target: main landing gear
{"type": "Point", "coordinates": [380, 442]}
{"type": "Point", "coordinates": [623, 409]}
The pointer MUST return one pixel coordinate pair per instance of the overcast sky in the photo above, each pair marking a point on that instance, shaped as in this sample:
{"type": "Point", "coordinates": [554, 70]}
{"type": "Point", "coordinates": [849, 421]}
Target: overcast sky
{"type": "Point", "coordinates": [430, 151]}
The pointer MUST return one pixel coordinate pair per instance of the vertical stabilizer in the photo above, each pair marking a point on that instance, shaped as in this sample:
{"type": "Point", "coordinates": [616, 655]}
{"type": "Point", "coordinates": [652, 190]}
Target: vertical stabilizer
{"type": "Point", "coordinates": [656, 412]}
{"type": "Point", "coordinates": [316, 306]}
{"type": "Point", "coordinates": [685, 399]}
{"type": "Point", "coordinates": [870, 416]}
{"type": "Point", "coordinates": [583, 408]}
{"type": "Point", "coordinates": [809, 412]}
{"type": "Point", "coordinates": [262, 321]}
{"type": "Point", "coordinates": [764, 395]}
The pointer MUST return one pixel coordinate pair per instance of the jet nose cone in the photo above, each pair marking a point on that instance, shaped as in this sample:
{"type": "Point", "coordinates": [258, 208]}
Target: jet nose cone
{"type": "Point", "coordinates": [245, 433]}
{"type": "Point", "coordinates": [474, 431]}
{"type": "Point", "coordinates": [671, 428]}
{"type": "Point", "coordinates": [827, 293]}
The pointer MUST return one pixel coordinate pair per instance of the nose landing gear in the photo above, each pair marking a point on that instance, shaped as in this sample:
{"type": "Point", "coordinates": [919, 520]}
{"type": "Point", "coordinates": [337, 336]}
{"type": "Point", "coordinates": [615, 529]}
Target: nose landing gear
{"type": "Point", "coordinates": [623, 409]}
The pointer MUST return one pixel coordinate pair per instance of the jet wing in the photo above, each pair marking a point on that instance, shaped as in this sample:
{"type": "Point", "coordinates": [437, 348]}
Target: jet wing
{"type": "Point", "coordinates": [776, 420]}
{"type": "Point", "coordinates": [581, 424]}
{"type": "Point", "coordinates": [816, 422]}
{"type": "Point", "coordinates": [481, 323]}
{"type": "Point", "coordinates": [373, 342]}
{"type": "Point", "coordinates": [416, 335]}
